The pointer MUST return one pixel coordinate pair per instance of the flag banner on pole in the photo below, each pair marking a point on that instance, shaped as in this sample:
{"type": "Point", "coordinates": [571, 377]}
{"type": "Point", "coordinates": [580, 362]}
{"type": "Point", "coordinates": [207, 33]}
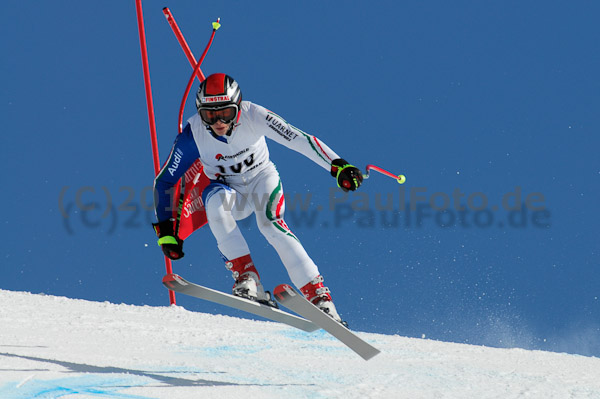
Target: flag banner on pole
{"type": "Point", "coordinates": [192, 215]}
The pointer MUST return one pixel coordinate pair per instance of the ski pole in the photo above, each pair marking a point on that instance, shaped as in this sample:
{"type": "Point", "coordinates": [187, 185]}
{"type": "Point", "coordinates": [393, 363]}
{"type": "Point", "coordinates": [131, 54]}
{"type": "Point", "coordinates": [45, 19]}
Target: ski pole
{"type": "Point", "coordinates": [400, 178]}
{"type": "Point", "coordinates": [216, 26]}
{"type": "Point", "coordinates": [149, 103]}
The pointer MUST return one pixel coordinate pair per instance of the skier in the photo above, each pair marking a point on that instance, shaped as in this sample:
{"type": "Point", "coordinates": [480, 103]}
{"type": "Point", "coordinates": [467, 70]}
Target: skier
{"type": "Point", "coordinates": [228, 136]}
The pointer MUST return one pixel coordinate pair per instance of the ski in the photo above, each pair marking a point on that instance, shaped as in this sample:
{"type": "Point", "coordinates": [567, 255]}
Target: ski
{"type": "Point", "coordinates": [294, 301]}
{"type": "Point", "coordinates": [177, 283]}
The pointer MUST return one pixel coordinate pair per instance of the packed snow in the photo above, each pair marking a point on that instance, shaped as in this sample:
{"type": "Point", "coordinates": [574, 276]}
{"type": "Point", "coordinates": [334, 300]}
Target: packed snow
{"type": "Point", "coordinates": [56, 347]}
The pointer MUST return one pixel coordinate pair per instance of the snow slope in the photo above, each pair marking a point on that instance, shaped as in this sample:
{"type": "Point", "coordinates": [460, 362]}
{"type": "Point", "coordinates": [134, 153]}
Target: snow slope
{"type": "Point", "coordinates": [54, 347]}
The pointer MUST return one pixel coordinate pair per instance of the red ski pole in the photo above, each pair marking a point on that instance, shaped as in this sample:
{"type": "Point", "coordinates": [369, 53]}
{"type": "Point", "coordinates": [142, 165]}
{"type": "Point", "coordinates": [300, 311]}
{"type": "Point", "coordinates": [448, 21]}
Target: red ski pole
{"type": "Point", "coordinates": [400, 178]}
{"type": "Point", "coordinates": [216, 26]}
{"type": "Point", "coordinates": [150, 106]}
{"type": "Point", "coordinates": [190, 56]}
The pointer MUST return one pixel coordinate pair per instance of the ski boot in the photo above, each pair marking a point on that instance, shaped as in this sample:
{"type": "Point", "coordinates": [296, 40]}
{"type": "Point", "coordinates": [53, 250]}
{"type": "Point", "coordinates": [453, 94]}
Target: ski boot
{"type": "Point", "coordinates": [247, 281]}
{"type": "Point", "coordinates": [319, 295]}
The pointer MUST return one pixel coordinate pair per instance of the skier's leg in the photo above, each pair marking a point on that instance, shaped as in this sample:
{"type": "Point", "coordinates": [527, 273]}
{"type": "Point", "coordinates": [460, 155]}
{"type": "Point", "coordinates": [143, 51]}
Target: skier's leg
{"type": "Point", "coordinates": [223, 207]}
{"type": "Point", "coordinates": [269, 202]}
{"type": "Point", "coordinates": [268, 199]}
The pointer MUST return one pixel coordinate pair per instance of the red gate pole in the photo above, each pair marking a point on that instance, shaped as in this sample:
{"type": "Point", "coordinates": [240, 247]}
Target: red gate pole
{"type": "Point", "coordinates": [184, 46]}
{"type": "Point", "coordinates": [151, 120]}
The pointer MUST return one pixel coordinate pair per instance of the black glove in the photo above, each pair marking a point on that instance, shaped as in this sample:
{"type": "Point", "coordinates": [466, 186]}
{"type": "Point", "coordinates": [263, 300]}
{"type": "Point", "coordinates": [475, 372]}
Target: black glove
{"type": "Point", "coordinates": [171, 245]}
{"type": "Point", "coordinates": [348, 176]}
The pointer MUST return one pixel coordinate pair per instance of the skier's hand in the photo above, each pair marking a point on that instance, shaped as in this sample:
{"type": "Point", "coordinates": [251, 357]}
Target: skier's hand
{"type": "Point", "coordinates": [348, 176]}
{"type": "Point", "coordinates": [171, 245]}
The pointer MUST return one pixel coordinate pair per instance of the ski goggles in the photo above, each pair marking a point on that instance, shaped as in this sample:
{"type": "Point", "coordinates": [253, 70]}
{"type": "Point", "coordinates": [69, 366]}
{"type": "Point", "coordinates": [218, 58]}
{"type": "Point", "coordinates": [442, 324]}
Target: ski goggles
{"type": "Point", "coordinates": [226, 114]}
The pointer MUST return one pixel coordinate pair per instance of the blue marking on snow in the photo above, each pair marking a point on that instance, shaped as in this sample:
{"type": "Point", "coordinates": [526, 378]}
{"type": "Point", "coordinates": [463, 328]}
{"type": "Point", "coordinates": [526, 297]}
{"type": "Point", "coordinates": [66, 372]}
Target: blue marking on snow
{"type": "Point", "coordinates": [306, 336]}
{"type": "Point", "coordinates": [92, 385]}
{"type": "Point", "coordinates": [234, 351]}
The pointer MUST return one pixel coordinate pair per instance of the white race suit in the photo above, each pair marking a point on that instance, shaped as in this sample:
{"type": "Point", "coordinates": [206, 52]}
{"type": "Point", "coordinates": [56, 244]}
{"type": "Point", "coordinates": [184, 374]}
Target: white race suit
{"type": "Point", "coordinates": [244, 181]}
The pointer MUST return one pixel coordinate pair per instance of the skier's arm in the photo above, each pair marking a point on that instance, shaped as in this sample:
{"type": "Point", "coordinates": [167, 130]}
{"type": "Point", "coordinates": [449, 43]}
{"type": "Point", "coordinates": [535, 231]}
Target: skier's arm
{"type": "Point", "coordinates": [182, 156]}
{"type": "Point", "coordinates": [347, 176]}
{"type": "Point", "coordinates": [278, 130]}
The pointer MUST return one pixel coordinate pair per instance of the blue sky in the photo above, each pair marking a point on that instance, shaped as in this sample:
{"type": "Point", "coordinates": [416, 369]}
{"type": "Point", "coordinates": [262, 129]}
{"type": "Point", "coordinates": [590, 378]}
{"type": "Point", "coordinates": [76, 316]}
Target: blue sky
{"type": "Point", "coordinates": [479, 97]}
